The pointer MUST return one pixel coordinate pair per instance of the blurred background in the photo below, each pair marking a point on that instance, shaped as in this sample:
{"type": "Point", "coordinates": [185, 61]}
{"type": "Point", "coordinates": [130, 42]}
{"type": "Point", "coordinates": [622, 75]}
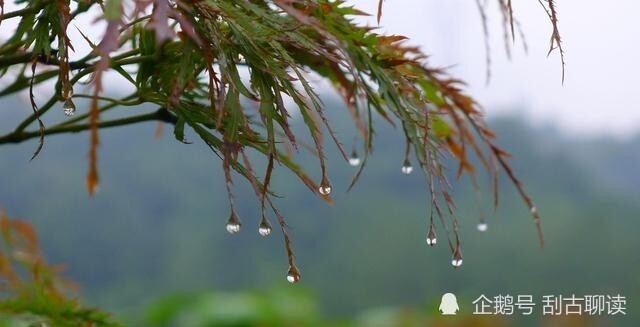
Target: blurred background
{"type": "Point", "coordinates": [151, 247]}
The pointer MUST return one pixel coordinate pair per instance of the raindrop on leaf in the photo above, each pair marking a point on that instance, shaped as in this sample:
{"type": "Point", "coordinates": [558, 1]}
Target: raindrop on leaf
{"type": "Point", "coordinates": [265, 227]}
{"type": "Point", "coordinates": [293, 275]}
{"type": "Point", "coordinates": [264, 231]}
{"type": "Point", "coordinates": [407, 168]}
{"type": "Point", "coordinates": [456, 261]}
{"type": "Point", "coordinates": [233, 224]}
{"type": "Point", "coordinates": [431, 237]}
{"type": "Point", "coordinates": [69, 107]}
{"type": "Point", "coordinates": [354, 160]}
{"type": "Point", "coordinates": [325, 187]}
{"type": "Point", "coordinates": [233, 228]}
{"type": "Point", "coordinates": [324, 190]}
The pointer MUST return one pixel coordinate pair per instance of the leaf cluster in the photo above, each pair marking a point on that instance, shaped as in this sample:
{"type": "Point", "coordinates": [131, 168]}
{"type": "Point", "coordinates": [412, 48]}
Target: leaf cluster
{"type": "Point", "coordinates": [31, 290]}
{"type": "Point", "coordinates": [234, 72]}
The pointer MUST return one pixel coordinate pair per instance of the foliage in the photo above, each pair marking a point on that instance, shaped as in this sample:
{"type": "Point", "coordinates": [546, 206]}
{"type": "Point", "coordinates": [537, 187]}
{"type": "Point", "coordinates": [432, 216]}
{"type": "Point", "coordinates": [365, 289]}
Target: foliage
{"type": "Point", "coordinates": [293, 309]}
{"type": "Point", "coordinates": [286, 307]}
{"type": "Point", "coordinates": [32, 291]}
{"type": "Point", "coordinates": [351, 252]}
{"type": "Point", "coordinates": [205, 64]}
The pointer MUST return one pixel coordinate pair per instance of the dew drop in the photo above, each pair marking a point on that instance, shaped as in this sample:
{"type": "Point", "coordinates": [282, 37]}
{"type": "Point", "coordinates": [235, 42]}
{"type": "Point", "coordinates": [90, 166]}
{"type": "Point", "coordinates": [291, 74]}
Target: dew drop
{"type": "Point", "coordinates": [534, 210]}
{"type": "Point", "coordinates": [483, 227]}
{"type": "Point", "coordinates": [265, 227]}
{"type": "Point", "coordinates": [431, 237]}
{"type": "Point", "coordinates": [325, 187]}
{"type": "Point", "coordinates": [233, 228]}
{"type": "Point", "coordinates": [69, 107]}
{"type": "Point", "coordinates": [354, 161]}
{"type": "Point", "coordinates": [456, 261]}
{"type": "Point", "coordinates": [293, 275]}
{"type": "Point", "coordinates": [233, 224]}
{"type": "Point", "coordinates": [407, 168]}
{"type": "Point", "coordinates": [324, 190]}
{"type": "Point", "coordinates": [292, 279]}
{"type": "Point", "coordinates": [264, 231]}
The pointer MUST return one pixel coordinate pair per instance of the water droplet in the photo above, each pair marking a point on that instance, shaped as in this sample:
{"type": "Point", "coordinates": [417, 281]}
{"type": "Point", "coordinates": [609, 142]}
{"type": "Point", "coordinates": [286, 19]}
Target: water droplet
{"type": "Point", "coordinates": [264, 231]}
{"type": "Point", "coordinates": [325, 186]}
{"type": "Point", "coordinates": [324, 190]}
{"type": "Point", "coordinates": [293, 275]}
{"type": "Point", "coordinates": [265, 227]}
{"type": "Point", "coordinates": [534, 210]}
{"type": "Point", "coordinates": [354, 161]}
{"type": "Point", "coordinates": [233, 224]}
{"type": "Point", "coordinates": [483, 227]}
{"type": "Point", "coordinates": [407, 168]}
{"type": "Point", "coordinates": [69, 107]}
{"type": "Point", "coordinates": [233, 228]}
{"type": "Point", "coordinates": [456, 261]}
{"type": "Point", "coordinates": [431, 237]}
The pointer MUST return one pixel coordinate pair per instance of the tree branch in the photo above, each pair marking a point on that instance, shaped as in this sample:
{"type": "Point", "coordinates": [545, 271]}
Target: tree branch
{"type": "Point", "coordinates": [22, 12]}
{"type": "Point", "coordinates": [23, 58]}
{"type": "Point", "coordinates": [161, 114]}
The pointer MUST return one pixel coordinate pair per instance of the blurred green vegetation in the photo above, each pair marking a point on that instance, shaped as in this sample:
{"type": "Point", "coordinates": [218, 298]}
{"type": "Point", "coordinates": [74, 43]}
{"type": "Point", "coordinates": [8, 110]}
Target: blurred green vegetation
{"type": "Point", "coordinates": [156, 228]}
{"type": "Point", "coordinates": [284, 307]}
{"type": "Point", "coordinates": [292, 307]}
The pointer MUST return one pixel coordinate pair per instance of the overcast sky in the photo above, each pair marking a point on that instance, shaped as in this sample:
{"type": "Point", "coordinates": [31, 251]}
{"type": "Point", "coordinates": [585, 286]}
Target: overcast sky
{"type": "Point", "coordinates": [601, 41]}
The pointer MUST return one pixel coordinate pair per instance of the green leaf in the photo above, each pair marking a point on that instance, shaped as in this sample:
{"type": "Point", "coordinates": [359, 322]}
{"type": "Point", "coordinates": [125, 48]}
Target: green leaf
{"type": "Point", "coordinates": [178, 130]}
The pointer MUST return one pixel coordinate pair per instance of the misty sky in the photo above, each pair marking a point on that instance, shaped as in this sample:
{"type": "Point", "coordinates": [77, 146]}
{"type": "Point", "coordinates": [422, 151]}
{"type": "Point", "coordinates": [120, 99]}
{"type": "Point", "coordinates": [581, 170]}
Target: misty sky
{"type": "Point", "coordinates": [600, 39]}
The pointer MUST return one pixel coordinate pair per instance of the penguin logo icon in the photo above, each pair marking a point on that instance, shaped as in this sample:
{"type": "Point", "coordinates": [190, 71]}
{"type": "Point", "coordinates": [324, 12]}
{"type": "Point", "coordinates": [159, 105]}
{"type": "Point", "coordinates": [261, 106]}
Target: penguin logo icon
{"type": "Point", "coordinates": [449, 304]}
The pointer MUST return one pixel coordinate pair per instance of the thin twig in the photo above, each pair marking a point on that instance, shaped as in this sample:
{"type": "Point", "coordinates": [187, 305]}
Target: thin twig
{"type": "Point", "coordinates": [161, 114]}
